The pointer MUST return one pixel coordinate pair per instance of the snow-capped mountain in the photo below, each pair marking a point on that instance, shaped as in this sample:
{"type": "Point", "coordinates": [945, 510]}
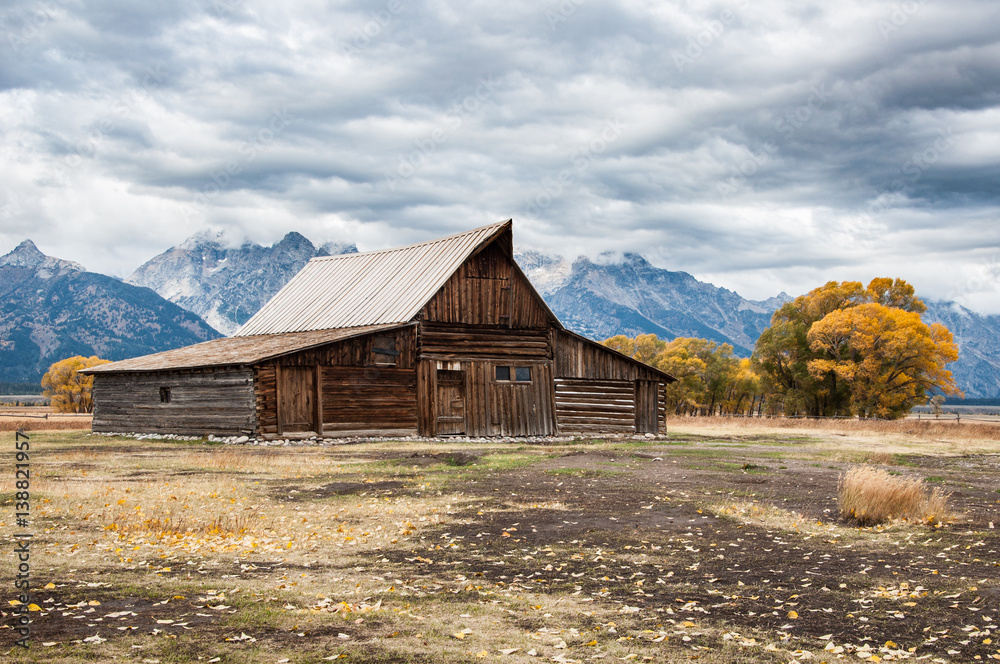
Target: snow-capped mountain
{"type": "Point", "coordinates": [227, 284]}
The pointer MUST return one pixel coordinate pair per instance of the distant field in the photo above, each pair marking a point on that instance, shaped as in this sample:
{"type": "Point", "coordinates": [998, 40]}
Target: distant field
{"type": "Point", "coordinates": [720, 544]}
{"type": "Point", "coordinates": [973, 411]}
{"type": "Point", "coordinates": [23, 398]}
{"type": "Point", "coordinates": [38, 418]}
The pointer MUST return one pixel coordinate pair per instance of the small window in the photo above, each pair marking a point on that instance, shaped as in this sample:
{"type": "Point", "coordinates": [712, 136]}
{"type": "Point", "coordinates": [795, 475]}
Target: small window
{"type": "Point", "coordinates": [513, 374]}
{"type": "Point", "coordinates": [164, 395]}
{"type": "Point", "coordinates": [384, 351]}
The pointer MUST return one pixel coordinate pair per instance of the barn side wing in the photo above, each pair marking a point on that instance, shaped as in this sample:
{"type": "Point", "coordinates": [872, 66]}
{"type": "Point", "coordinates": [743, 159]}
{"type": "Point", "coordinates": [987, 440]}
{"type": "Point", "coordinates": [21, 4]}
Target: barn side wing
{"type": "Point", "coordinates": [598, 390]}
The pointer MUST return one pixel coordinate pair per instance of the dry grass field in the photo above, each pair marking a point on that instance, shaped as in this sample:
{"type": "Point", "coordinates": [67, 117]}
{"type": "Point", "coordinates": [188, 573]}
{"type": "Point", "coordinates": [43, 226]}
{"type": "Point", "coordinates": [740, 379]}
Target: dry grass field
{"type": "Point", "coordinates": [721, 543]}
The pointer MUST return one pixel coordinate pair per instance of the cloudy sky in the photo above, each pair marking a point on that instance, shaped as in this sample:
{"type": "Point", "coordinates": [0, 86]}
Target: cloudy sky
{"type": "Point", "coordinates": [762, 145]}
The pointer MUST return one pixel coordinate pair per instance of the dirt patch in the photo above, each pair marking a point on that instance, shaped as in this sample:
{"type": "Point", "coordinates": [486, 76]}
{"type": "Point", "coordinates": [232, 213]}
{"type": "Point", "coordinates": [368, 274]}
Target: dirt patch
{"type": "Point", "coordinates": [449, 458]}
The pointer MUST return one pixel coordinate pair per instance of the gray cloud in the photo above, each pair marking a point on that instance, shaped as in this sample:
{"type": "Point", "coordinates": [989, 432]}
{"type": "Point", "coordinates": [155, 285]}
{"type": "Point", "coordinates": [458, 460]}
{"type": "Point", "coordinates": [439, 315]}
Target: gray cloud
{"type": "Point", "coordinates": [763, 145]}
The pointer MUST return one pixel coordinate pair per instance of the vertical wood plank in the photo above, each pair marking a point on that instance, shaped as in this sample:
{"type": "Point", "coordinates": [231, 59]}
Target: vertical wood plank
{"type": "Point", "coordinates": [278, 397]}
{"type": "Point", "coordinates": [318, 400]}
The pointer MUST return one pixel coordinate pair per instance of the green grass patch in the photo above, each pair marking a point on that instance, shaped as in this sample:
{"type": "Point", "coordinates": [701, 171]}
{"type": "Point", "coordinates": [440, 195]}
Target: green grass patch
{"type": "Point", "coordinates": [581, 472]}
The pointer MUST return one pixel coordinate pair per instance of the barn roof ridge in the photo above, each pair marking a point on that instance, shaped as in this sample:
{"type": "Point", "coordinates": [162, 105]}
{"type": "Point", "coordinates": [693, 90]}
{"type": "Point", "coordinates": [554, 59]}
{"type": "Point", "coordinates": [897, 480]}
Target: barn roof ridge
{"type": "Point", "coordinates": [498, 226]}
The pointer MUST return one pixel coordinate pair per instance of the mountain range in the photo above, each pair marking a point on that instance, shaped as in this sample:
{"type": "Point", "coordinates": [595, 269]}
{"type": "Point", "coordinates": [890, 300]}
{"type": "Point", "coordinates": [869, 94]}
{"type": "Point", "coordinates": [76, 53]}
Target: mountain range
{"type": "Point", "coordinates": [51, 309]}
{"type": "Point", "coordinates": [225, 283]}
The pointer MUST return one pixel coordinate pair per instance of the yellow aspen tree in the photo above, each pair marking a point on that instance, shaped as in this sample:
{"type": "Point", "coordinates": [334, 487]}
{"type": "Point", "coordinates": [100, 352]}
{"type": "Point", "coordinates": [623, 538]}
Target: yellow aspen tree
{"type": "Point", "coordinates": [889, 357]}
{"type": "Point", "coordinates": [69, 390]}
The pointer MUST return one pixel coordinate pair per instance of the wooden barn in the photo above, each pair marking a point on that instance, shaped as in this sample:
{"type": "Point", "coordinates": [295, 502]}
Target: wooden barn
{"type": "Point", "coordinates": [445, 337]}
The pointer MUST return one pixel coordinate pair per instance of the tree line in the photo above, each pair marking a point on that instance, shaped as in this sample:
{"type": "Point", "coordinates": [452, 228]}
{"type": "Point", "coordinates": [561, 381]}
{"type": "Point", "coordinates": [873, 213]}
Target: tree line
{"type": "Point", "coordinates": [842, 349]}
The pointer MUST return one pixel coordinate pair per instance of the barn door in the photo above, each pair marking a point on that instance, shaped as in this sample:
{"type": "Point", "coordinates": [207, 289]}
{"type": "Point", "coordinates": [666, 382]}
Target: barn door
{"type": "Point", "coordinates": [296, 399]}
{"type": "Point", "coordinates": [646, 406]}
{"type": "Point", "coordinates": [450, 402]}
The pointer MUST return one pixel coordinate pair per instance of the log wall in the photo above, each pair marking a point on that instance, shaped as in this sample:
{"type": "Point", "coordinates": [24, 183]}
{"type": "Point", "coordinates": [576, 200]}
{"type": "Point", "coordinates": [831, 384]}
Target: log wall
{"type": "Point", "coordinates": [588, 406]}
{"type": "Point", "coordinates": [206, 401]}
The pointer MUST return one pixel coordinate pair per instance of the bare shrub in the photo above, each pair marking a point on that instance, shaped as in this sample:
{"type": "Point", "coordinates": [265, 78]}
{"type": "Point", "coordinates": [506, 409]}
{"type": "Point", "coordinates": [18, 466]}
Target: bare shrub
{"type": "Point", "coordinates": [870, 496]}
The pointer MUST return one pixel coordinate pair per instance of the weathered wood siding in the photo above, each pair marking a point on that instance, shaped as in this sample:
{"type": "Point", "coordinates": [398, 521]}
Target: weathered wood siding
{"type": "Point", "coordinates": [364, 385]}
{"type": "Point", "coordinates": [205, 401]}
{"type": "Point", "coordinates": [589, 406]}
{"type": "Point", "coordinates": [492, 408]}
{"type": "Point", "coordinates": [662, 409]}
{"type": "Point", "coordinates": [361, 351]}
{"type": "Point", "coordinates": [647, 406]}
{"type": "Point", "coordinates": [579, 358]}
{"type": "Point", "coordinates": [511, 408]}
{"type": "Point", "coordinates": [382, 399]}
{"type": "Point", "coordinates": [488, 290]}
{"type": "Point", "coordinates": [461, 342]}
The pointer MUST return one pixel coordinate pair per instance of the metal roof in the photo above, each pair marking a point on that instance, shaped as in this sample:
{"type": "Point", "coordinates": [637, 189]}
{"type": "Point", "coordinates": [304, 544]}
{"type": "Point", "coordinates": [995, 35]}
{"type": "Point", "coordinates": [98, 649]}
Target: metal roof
{"type": "Point", "coordinates": [371, 288]}
{"type": "Point", "coordinates": [234, 351]}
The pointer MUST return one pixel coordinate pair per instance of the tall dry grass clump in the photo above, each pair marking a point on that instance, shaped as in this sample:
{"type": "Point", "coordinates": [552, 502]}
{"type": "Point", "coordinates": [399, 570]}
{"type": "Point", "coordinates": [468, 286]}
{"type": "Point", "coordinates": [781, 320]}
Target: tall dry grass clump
{"type": "Point", "coordinates": [870, 496]}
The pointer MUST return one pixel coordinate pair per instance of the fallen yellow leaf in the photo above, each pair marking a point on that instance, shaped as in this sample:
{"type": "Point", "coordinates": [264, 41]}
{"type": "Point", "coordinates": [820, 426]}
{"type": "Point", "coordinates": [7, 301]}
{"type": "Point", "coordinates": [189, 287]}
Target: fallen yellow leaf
{"type": "Point", "coordinates": [793, 615]}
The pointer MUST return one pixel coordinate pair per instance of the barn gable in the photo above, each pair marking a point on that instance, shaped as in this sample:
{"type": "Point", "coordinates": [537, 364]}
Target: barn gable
{"type": "Point", "coordinates": [489, 288]}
